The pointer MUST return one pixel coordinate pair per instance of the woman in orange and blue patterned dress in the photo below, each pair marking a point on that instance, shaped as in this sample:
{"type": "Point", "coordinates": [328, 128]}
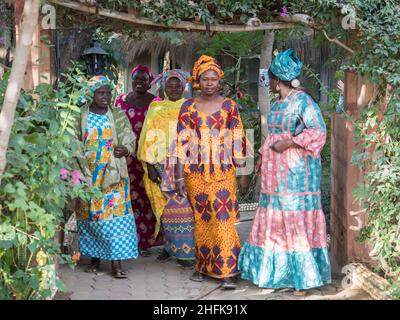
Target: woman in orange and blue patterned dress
{"type": "Point", "coordinates": [211, 124]}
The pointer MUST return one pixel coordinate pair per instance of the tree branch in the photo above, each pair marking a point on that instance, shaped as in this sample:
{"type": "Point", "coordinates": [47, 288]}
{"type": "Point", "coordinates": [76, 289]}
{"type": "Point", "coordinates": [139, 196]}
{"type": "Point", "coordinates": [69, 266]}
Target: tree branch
{"type": "Point", "coordinates": [29, 21]}
{"type": "Point", "coordinates": [334, 40]}
{"type": "Point", "coordinates": [183, 25]}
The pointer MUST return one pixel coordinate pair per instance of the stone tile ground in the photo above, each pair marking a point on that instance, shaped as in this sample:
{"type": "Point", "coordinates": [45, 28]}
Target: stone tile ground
{"type": "Point", "coordinates": [150, 279]}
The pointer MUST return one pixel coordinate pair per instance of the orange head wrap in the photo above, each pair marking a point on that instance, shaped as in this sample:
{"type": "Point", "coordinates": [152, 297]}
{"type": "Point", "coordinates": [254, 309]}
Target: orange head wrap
{"type": "Point", "coordinates": [203, 64]}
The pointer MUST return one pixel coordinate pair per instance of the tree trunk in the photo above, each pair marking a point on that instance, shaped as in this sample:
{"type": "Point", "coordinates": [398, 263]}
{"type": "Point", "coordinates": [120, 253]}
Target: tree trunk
{"type": "Point", "coordinates": [30, 19]}
{"type": "Point", "coordinates": [263, 92]}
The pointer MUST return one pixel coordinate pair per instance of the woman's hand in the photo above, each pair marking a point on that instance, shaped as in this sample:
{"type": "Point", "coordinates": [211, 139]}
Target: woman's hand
{"type": "Point", "coordinates": [180, 188]}
{"type": "Point", "coordinates": [244, 183]}
{"type": "Point", "coordinates": [282, 145]}
{"type": "Point", "coordinates": [120, 151]}
{"type": "Point", "coordinates": [258, 166]}
{"type": "Point", "coordinates": [153, 174]}
{"type": "Point", "coordinates": [79, 204]}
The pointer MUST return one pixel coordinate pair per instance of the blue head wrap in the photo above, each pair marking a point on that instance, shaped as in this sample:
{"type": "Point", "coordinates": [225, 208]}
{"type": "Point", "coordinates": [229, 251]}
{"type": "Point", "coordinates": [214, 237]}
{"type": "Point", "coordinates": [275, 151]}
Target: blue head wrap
{"type": "Point", "coordinates": [90, 86]}
{"type": "Point", "coordinates": [286, 66]}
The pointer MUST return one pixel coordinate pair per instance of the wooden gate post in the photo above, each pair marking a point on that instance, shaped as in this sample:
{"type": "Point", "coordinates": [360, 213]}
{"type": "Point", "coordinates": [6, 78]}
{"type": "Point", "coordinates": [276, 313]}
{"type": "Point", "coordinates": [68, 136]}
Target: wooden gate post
{"type": "Point", "coordinates": [346, 215]}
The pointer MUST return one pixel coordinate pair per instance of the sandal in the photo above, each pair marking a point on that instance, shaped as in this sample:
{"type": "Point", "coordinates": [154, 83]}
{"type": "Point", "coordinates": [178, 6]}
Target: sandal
{"type": "Point", "coordinates": [299, 293]}
{"type": "Point", "coordinates": [118, 274]}
{"type": "Point", "coordinates": [145, 253]}
{"type": "Point", "coordinates": [228, 284]}
{"type": "Point", "coordinates": [197, 276]}
{"type": "Point", "coordinates": [164, 256]}
{"type": "Point", "coordinates": [94, 266]}
{"type": "Point", "coordinates": [186, 263]}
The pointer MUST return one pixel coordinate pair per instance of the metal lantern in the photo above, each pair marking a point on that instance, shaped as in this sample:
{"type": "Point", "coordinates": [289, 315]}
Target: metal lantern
{"type": "Point", "coordinates": [95, 58]}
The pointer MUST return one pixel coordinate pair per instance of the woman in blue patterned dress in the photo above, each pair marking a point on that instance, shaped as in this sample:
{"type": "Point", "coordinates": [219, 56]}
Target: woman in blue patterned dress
{"type": "Point", "coordinates": [106, 225]}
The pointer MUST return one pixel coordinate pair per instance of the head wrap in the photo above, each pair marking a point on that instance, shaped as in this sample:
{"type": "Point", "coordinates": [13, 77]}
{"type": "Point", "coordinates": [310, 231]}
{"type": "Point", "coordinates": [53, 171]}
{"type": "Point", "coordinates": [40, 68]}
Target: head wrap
{"type": "Point", "coordinates": [203, 64]}
{"type": "Point", "coordinates": [286, 65]}
{"type": "Point", "coordinates": [143, 68]}
{"type": "Point", "coordinates": [162, 78]}
{"type": "Point", "coordinates": [89, 87]}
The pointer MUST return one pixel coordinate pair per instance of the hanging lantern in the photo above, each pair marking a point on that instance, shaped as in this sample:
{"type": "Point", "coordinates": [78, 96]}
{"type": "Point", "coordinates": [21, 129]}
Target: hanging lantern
{"type": "Point", "coordinates": [95, 58]}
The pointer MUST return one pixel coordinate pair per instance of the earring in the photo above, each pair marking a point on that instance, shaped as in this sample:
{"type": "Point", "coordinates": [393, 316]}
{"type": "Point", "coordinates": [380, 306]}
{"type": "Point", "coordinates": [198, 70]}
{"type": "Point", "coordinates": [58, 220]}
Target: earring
{"type": "Point", "coordinates": [278, 88]}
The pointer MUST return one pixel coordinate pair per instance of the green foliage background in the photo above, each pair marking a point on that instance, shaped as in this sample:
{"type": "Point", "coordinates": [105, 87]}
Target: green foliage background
{"type": "Point", "coordinates": [33, 198]}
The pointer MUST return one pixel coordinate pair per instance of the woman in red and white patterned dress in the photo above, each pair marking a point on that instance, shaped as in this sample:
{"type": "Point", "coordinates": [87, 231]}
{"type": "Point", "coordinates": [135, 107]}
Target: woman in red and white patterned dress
{"type": "Point", "coordinates": [135, 104]}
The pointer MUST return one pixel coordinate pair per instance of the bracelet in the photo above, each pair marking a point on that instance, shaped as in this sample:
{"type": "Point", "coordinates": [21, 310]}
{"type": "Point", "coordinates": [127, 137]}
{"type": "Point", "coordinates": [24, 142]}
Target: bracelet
{"type": "Point", "coordinates": [180, 179]}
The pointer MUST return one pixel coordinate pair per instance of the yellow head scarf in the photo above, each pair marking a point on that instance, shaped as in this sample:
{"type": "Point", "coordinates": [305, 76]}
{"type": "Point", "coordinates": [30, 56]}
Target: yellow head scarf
{"type": "Point", "coordinates": [203, 64]}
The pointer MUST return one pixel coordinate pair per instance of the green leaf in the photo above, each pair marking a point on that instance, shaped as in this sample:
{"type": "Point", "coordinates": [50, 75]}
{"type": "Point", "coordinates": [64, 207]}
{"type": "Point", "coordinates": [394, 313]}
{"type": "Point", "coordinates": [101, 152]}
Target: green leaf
{"type": "Point", "coordinates": [18, 203]}
{"type": "Point", "coordinates": [6, 244]}
{"type": "Point", "coordinates": [19, 274]}
{"type": "Point", "coordinates": [9, 188]}
{"type": "Point", "coordinates": [60, 286]}
{"type": "Point", "coordinates": [33, 138]}
{"type": "Point", "coordinates": [34, 282]}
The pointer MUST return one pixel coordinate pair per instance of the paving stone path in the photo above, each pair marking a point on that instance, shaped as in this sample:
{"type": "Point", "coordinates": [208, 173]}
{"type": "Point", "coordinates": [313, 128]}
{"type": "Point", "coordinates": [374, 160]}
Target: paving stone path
{"type": "Point", "coordinates": [150, 279]}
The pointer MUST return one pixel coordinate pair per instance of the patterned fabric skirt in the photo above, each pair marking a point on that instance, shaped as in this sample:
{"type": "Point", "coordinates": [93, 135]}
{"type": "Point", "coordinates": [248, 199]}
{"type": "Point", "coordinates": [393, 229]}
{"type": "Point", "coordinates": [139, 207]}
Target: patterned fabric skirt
{"type": "Point", "coordinates": [144, 217]}
{"type": "Point", "coordinates": [178, 224]}
{"type": "Point", "coordinates": [215, 209]}
{"type": "Point", "coordinates": [106, 227]}
{"type": "Point", "coordinates": [286, 249]}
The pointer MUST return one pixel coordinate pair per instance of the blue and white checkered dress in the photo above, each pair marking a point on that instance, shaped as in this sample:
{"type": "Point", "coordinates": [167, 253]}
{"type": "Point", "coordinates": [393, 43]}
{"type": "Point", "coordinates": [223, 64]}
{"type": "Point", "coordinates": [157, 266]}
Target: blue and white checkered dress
{"type": "Point", "coordinates": [106, 227]}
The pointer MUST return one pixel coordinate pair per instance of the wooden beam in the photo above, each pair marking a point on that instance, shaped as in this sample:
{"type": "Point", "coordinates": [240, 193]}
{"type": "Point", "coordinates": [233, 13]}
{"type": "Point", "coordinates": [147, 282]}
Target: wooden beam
{"type": "Point", "coordinates": [183, 25]}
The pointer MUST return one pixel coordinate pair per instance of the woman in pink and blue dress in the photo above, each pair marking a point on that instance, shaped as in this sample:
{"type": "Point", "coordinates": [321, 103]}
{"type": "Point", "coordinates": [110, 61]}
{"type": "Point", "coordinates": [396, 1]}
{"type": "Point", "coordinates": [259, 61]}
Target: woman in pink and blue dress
{"type": "Point", "coordinates": [136, 104]}
{"type": "Point", "coordinates": [287, 245]}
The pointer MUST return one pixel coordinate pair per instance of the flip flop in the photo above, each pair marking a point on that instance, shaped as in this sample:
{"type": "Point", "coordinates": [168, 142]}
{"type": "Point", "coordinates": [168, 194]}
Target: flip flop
{"type": "Point", "coordinates": [186, 263]}
{"type": "Point", "coordinates": [119, 274]}
{"type": "Point", "coordinates": [164, 256]}
{"type": "Point", "coordinates": [92, 268]}
{"type": "Point", "coordinates": [299, 293]}
{"type": "Point", "coordinates": [197, 277]}
{"type": "Point", "coordinates": [145, 253]}
{"type": "Point", "coordinates": [228, 285]}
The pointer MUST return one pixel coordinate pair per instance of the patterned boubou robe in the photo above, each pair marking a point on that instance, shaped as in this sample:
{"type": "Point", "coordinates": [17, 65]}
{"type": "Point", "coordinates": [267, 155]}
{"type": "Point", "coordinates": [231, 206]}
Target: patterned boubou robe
{"type": "Point", "coordinates": [106, 225]}
{"type": "Point", "coordinates": [287, 245]}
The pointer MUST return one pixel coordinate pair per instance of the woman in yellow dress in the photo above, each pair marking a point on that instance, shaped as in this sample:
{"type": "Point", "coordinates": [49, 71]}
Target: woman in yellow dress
{"type": "Point", "coordinates": [156, 149]}
{"type": "Point", "coordinates": [211, 145]}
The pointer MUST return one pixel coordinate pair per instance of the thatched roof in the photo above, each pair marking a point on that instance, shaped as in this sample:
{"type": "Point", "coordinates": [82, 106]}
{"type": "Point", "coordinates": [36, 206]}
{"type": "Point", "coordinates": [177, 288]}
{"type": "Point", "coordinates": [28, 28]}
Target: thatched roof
{"type": "Point", "coordinates": [155, 44]}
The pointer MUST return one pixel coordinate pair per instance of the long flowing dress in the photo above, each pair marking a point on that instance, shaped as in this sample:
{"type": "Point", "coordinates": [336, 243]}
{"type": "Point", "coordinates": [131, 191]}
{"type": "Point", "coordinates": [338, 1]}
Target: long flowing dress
{"type": "Point", "coordinates": [211, 185]}
{"type": "Point", "coordinates": [287, 245]}
{"type": "Point", "coordinates": [144, 217]}
{"type": "Point", "coordinates": [157, 146]}
{"type": "Point", "coordinates": [106, 226]}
